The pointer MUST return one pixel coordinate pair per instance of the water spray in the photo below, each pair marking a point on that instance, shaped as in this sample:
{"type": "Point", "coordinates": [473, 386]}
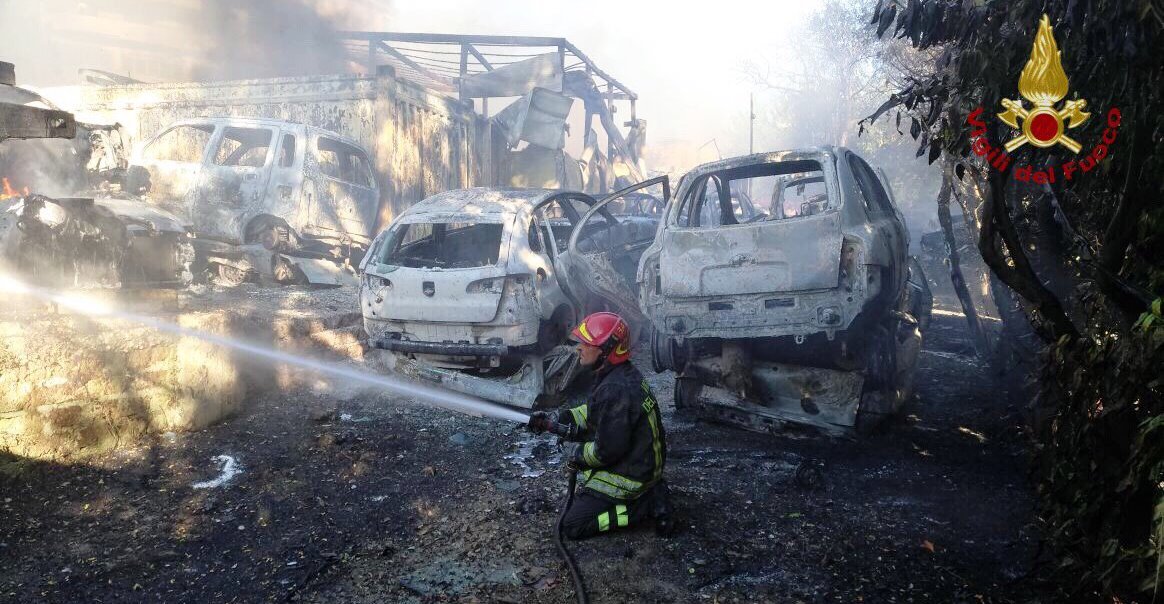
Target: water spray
{"type": "Point", "coordinates": [438, 397]}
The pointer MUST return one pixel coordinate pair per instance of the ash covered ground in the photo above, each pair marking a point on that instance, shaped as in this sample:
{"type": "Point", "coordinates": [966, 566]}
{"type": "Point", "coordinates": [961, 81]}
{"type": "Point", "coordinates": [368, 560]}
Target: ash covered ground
{"type": "Point", "coordinates": [356, 496]}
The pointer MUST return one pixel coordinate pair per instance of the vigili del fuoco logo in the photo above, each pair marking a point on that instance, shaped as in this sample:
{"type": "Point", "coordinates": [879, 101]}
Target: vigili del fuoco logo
{"type": "Point", "coordinates": [1045, 122]}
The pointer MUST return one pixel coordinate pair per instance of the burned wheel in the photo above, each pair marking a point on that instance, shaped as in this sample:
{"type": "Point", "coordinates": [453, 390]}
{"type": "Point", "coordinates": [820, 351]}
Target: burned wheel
{"type": "Point", "coordinates": [230, 276]}
{"type": "Point", "coordinates": [286, 273]}
{"type": "Point", "coordinates": [272, 234]}
{"type": "Point", "coordinates": [687, 391]}
{"type": "Point", "coordinates": [666, 354]}
{"type": "Point", "coordinates": [660, 352]}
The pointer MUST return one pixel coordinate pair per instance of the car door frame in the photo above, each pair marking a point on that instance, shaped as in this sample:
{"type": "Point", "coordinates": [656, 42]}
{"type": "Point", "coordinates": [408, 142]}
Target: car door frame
{"type": "Point", "coordinates": [886, 218]}
{"type": "Point", "coordinates": [230, 217]}
{"type": "Point", "coordinates": [352, 190]}
{"type": "Point", "coordinates": [186, 200]}
{"type": "Point", "coordinates": [559, 270]}
{"type": "Point", "coordinates": [583, 265]}
{"type": "Point", "coordinates": [551, 293]}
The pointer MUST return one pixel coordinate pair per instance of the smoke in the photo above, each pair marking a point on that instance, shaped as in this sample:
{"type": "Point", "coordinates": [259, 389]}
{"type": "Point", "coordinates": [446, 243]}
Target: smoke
{"type": "Point", "coordinates": [272, 38]}
{"type": "Point", "coordinates": [182, 40]}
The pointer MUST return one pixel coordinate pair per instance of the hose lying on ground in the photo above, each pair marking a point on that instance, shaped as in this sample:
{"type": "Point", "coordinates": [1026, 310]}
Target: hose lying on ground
{"type": "Point", "coordinates": [575, 574]}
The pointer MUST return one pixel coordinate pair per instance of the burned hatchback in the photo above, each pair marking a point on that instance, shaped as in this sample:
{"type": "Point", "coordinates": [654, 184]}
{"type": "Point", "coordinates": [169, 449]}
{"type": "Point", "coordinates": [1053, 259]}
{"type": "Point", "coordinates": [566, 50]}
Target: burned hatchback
{"type": "Point", "coordinates": [473, 285]}
{"type": "Point", "coordinates": [784, 278]}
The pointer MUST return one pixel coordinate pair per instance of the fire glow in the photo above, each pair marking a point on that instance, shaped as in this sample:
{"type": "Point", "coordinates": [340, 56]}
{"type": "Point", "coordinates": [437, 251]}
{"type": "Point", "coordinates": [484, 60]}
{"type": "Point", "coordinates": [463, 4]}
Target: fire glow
{"type": "Point", "coordinates": [6, 190]}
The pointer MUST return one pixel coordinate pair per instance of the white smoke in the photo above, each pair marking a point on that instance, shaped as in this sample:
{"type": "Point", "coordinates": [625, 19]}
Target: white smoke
{"type": "Point", "coordinates": [181, 40]}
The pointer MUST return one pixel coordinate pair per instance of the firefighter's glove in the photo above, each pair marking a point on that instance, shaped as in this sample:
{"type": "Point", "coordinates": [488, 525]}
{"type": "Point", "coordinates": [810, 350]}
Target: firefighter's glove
{"type": "Point", "coordinates": [574, 459]}
{"type": "Point", "coordinates": [540, 421]}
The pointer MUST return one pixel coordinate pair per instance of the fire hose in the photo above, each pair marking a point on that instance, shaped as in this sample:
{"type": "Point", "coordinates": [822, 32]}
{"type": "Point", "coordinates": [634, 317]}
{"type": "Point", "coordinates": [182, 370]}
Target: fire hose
{"type": "Point", "coordinates": [567, 557]}
{"type": "Point", "coordinates": [544, 422]}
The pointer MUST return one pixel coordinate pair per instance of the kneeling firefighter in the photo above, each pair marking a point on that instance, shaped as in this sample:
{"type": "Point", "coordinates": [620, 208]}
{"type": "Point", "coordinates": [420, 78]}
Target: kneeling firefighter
{"type": "Point", "coordinates": [623, 446]}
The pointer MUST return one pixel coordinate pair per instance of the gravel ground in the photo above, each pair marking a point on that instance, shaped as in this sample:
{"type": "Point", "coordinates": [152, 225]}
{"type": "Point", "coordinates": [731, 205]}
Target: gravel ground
{"type": "Point", "coordinates": [344, 495]}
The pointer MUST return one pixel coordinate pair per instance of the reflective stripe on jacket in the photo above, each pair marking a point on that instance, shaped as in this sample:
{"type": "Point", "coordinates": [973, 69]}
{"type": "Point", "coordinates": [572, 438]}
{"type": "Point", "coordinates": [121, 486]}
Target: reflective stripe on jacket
{"type": "Point", "coordinates": [624, 447]}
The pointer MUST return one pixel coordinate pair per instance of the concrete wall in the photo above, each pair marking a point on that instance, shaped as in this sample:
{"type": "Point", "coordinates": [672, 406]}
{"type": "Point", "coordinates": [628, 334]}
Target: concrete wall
{"type": "Point", "coordinates": [421, 142]}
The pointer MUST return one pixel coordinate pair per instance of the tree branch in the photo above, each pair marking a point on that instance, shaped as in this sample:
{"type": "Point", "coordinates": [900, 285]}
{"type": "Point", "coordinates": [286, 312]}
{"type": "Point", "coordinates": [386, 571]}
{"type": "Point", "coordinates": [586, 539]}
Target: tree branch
{"type": "Point", "coordinates": [1120, 233]}
{"type": "Point", "coordinates": [1051, 320]}
{"type": "Point", "coordinates": [981, 345]}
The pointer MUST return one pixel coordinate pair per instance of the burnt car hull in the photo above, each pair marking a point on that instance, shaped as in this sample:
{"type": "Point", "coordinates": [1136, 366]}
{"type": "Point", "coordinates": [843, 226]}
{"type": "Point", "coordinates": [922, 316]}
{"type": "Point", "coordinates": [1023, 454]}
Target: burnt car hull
{"type": "Point", "coordinates": [302, 193]}
{"type": "Point", "coordinates": [82, 242]}
{"type": "Point", "coordinates": [475, 289]}
{"type": "Point", "coordinates": [809, 311]}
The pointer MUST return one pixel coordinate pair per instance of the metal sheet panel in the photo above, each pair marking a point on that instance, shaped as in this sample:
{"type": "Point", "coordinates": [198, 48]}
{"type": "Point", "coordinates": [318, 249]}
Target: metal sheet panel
{"type": "Point", "coordinates": [538, 118]}
{"type": "Point", "coordinates": [516, 79]}
{"type": "Point", "coordinates": [778, 256]}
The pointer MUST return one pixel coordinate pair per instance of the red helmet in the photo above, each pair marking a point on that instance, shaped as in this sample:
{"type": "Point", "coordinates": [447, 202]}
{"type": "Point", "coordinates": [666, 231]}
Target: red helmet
{"type": "Point", "coordinates": [607, 331]}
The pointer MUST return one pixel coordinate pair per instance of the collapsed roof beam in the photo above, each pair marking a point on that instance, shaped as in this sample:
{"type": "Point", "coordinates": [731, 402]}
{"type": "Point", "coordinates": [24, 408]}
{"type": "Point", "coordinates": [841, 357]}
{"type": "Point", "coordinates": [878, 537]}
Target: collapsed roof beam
{"type": "Point", "coordinates": [381, 39]}
{"type": "Point", "coordinates": [602, 74]}
{"type": "Point", "coordinates": [454, 38]}
{"type": "Point", "coordinates": [480, 57]}
{"type": "Point", "coordinates": [407, 61]}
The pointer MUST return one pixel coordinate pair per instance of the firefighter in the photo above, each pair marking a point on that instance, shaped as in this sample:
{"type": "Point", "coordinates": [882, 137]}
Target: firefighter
{"type": "Point", "coordinates": [623, 447]}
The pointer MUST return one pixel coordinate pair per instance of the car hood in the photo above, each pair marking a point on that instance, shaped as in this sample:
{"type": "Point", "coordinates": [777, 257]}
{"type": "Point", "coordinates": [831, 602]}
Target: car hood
{"type": "Point", "coordinates": [138, 213]}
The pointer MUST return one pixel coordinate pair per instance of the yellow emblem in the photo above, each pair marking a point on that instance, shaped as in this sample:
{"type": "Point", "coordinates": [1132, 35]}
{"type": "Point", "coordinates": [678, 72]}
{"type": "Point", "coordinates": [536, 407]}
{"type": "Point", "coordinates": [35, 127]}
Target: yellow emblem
{"type": "Point", "coordinates": [1044, 83]}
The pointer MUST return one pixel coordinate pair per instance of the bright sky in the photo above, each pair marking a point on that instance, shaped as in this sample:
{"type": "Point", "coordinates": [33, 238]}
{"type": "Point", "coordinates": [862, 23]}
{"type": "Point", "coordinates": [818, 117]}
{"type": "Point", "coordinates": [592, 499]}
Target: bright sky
{"type": "Point", "coordinates": [683, 59]}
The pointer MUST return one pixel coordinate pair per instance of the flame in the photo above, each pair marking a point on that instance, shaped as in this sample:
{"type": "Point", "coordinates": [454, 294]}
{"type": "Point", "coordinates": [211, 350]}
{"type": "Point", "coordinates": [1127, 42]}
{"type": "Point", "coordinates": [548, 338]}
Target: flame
{"type": "Point", "coordinates": [7, 191]}
{"type": "Point", "coordinates": [1043, 81]}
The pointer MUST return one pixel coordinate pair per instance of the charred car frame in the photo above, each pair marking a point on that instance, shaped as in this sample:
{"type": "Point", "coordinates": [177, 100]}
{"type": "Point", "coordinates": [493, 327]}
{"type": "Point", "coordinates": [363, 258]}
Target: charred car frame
{"type": "Point", "coordinates": [264, 196]}
{"type": "Point", "coordinates": [473, 285]}
{"type": "Point", "coordinates": [808, 308]}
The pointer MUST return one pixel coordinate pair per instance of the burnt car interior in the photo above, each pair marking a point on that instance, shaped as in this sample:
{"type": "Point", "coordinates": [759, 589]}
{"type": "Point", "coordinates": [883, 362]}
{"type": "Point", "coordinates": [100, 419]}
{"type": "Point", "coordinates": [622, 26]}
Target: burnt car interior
{"type": "Point", "coordinates": [343, 162]}
{"type": "Point", "coordinates": [621, 229]}
{"type": "Point", "coordinates": [561, 213]}
{"type": "Point", "coordinates": [246, 147]}
{"type": "Point", "coordinates": [443, 245]}
{"type": "Point", "coordinates": [185, 143]}
{"type": "Point", "coordinates": [725, 198]}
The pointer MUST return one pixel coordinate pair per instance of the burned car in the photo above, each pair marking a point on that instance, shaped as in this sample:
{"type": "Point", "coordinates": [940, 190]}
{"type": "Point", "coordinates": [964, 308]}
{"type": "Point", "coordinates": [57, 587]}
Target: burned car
{"type": "Point", "coordinates": [263, 196]}
{"type": "Point", "coordinates": [75, 241]}
{"type": "Point", "coordinates": [785, 279]}
{"type": "Point", "coordinates": [82, 242]}
{"type": "Point", "coordinates": [475, 288]}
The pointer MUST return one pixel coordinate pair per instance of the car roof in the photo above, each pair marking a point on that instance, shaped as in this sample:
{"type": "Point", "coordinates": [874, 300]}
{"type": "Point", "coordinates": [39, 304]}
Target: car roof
{"type": "Point", "coordinates": [768, 157]}
{"type": "Point", "coordinates": [259, 122]}
{"type": "Point", "coordinates": [480, 201]}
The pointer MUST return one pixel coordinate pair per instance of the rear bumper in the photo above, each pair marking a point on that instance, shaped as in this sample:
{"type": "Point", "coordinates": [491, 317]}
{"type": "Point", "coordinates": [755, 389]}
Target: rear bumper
{"type": "Point", "coordinates": [427, 337]}
{"type": "Point", "coordinates": [757, 315]}
{"type": "Point", "coordinates": [440, 348]}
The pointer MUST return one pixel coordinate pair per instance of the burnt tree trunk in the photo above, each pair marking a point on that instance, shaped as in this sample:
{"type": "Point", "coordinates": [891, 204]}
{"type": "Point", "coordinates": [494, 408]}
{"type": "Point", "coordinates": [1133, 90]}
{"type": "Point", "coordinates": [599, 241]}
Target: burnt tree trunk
{"type": "Point", "coordinates": [1013, 268]}
{"type": "Point", "coordinates": [1121, 231]}
{"type": "Point", "coordinates": [981, 342]}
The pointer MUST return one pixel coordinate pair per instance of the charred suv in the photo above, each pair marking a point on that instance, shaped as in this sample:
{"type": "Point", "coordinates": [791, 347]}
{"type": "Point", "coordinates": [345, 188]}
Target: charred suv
{"type": "Point", "coordinates": [264, 197]}
{"type": "Point", "coordinates": [474, 288]}
{"type": "Point", "coordinates": [785, 279]}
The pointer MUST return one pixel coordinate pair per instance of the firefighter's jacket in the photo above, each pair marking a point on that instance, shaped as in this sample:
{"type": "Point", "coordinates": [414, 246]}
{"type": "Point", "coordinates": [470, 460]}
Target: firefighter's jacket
{"type": "Point", "coordinates": [623, 447]}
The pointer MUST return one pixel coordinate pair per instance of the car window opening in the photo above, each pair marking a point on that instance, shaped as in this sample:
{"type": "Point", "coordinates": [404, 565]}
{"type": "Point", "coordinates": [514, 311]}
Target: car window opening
{"type": "Point", "coordinates": [244, 147]}
{"type": "Point", "coordinates": [287, 151]}
{"type": "Point", "coordinates": [756, 193]}
{"type": "Point", "coordinates": [181, 144]}
{"type": "Point", "coordinates": [443, 245]}
{"type": "Point", "coordinates": [343, 162]}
